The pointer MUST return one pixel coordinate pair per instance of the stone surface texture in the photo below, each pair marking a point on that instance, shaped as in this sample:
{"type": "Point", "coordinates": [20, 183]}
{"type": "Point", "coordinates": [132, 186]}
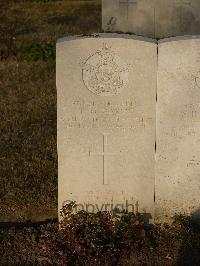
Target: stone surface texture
{"type": "Point", "coordinates": [152, 18]}
{"type": "Point", "coordinates": [106, 89]}
{"type": "Point", "coordinates": [178, 128]}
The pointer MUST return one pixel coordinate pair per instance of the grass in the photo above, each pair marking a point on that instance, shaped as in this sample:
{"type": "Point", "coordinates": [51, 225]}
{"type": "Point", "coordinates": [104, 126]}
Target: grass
{"type": "Point", "coordinates": [28, 127]}
{"type": "Point", "coordinates": [37, 51]}
{"type": "Point", "coordinates": [50, 20]}
{"type": "Point", "coordinates": [28, 156]}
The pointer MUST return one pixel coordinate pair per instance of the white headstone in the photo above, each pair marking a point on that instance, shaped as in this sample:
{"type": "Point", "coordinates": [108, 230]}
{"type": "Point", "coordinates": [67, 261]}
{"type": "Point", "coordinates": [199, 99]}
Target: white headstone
{"type": "Point", "coordinates": [152, 18]}
{"type": "Point", "coordinates": [178, 128]}
{"type": "Point", "coordinates": [106, 89]}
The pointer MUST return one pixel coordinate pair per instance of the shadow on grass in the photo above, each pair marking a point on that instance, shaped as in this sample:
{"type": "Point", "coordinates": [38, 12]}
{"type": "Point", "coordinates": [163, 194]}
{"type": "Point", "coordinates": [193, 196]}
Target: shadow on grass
{"type": "Point", "coordinates": [21, 225]}
{"type": "Point", "coordinates": [190, 249]}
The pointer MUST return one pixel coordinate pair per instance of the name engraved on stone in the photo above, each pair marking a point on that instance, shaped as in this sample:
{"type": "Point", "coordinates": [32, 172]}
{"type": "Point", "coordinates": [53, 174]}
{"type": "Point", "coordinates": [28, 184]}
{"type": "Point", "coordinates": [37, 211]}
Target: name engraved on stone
{"type": "Point", "coordinates": [105, 73]}
{"type": "Point", "coordinates": [108, 115]}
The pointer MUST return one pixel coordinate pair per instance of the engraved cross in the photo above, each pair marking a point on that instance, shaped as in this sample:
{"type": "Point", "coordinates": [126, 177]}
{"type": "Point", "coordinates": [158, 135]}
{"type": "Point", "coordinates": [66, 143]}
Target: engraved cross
{"type": "Point", "coordinates": [127, 3]}
{"type": "Point", "coordinates": [104, 155]}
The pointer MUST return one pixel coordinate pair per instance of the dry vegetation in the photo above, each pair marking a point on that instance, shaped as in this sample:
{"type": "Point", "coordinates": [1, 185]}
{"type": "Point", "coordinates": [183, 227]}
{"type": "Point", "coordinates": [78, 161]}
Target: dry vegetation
{"type": "Point", "coordinates": [28, 157]}
{"type": "Point", "coordinates": [102, 239]}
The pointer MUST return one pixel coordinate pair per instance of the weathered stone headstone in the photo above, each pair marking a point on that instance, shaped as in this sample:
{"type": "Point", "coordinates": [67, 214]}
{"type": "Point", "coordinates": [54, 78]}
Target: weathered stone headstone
{"type": "Point", "coordinates": [106, 122]}
{"type": "Point", "coordinates": [178, 127]}
{"type": "Point", "coordinates": [152, 18]}
{"type": "Point", "coordinates": [128, 16]}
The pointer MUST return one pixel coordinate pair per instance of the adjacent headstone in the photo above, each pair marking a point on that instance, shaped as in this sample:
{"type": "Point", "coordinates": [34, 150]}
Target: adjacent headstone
{"type": "Point", "coordinates": [106, 122]}
{"type": "Point", "coordinates": [152, 18]}
{"type": "Point", "coordinates": [134, 16]}
{"type": "Point", "coordinates": [178, 128]}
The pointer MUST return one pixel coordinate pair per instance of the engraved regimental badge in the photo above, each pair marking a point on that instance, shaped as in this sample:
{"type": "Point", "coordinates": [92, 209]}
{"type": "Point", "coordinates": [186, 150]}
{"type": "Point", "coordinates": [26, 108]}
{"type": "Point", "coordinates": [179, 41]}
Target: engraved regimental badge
{"type": "Point", "coordinates": [105, 73]}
